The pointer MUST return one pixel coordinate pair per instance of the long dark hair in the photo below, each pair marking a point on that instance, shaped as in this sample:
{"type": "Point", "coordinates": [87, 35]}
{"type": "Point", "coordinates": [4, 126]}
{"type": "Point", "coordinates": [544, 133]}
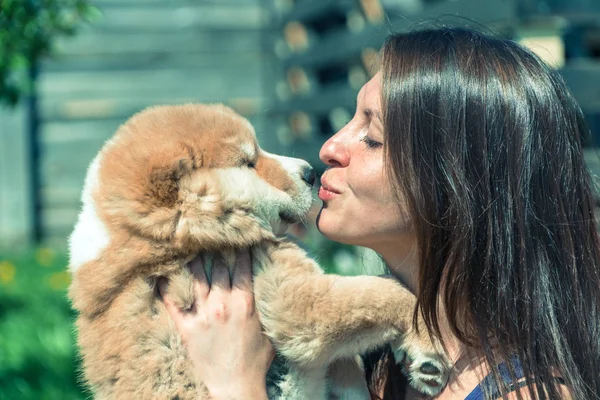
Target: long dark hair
{"type": "Point", "coordinates": [484, 146]}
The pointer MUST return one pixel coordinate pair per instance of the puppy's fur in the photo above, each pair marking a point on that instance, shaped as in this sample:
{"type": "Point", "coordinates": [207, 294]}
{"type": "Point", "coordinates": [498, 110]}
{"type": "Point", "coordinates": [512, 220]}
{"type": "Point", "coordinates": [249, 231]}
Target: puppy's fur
{"type": "Point", "coordinates": [182, 180]}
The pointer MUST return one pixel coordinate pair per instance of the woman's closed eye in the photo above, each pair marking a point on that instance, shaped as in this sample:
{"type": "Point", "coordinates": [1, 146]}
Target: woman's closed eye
{"type": "Point", "coordinates": [370, 115]}
{"type": "Point", "coordinates": [371, 144]}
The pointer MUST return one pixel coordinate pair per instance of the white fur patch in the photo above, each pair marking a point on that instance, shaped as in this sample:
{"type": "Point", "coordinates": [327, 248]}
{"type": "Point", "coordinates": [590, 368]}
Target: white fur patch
{"type": "Point", "coordinates": [304, 384]}
{"type": "Point", "coordinates": [294, 166]}
{"type": "Point", "coordinates": [245, 186]}
{"type": "Point", "coordinates": [90, 235]}
{"type": "Point", "coordinates": [417, 379]}
{"type": "Point", "coordinates": [249, 150]}
{"type": "Point", "coordinates": [242, 185]}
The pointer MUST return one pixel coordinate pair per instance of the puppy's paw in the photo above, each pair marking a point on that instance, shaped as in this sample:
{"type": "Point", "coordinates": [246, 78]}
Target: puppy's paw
{"type": "Point", "coordinates": [426, 368]}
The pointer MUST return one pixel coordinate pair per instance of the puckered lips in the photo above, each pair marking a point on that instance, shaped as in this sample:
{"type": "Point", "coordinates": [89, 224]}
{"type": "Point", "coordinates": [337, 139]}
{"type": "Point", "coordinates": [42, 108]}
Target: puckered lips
{"type": "Point", "coordinates": [327, 191]}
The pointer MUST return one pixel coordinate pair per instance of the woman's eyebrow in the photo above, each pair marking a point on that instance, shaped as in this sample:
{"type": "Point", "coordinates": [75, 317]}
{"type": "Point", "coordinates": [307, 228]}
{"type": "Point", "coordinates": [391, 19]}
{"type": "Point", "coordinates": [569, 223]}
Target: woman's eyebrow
{"type": "Point", "coordinates": [369, 112]}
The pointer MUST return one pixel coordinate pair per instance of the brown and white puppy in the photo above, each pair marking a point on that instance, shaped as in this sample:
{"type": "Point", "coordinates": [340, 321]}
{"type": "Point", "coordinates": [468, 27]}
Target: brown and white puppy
{"type": "Point", "coordinates": [176, 181]}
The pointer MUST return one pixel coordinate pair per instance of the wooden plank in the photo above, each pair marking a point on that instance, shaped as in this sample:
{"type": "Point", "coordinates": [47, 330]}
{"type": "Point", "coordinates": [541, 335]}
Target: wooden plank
{"type": "Point", "coordinates": [97, 83]}
{"type": "Point", "coordinates": [16, 197]}
{"type": "Point", "coordinates": [72, 158]}
{"type": "Point", "coordinates": [60, 175]}
{"type": "Point", "coordinates": [65, 163]}
{"type": "Point", "coordinates": [168, 17]}
{"type": "Point", "coordinates": [152, 61]}
{"type": "Point", "coordinates": [58, 221]}
{"type": "Point", "coordinates": [99, 108]}
{"type": "Point", "coordinates": [129, 3]}
{"type": "Point", "coordinates": [54, 135]}
{"type": "Point", "coordinates": [88, 132]}
{"type": "Point", "coordinates": [130, 44]}
{"type": "Point", "coordinates": [319, 101]}
{"type": "Point", "coordinates": [61, 197]}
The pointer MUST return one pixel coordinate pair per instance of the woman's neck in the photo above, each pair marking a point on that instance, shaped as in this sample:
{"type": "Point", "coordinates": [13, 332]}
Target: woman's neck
{"type": "Point", "coordinates": [402, 260]}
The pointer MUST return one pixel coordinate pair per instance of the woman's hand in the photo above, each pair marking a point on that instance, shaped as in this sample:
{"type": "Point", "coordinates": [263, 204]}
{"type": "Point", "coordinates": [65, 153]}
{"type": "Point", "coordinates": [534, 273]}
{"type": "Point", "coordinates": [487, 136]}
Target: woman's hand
{"type": "Point", "coordinates": [222, 333]}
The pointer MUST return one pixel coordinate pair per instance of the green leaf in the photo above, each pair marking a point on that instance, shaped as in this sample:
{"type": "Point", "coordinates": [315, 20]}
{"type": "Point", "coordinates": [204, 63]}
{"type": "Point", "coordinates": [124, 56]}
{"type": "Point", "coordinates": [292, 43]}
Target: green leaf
{"type": "Point", "coordinates": [19, 62]}
{"type": "Point", "coordinates": [28, 28]}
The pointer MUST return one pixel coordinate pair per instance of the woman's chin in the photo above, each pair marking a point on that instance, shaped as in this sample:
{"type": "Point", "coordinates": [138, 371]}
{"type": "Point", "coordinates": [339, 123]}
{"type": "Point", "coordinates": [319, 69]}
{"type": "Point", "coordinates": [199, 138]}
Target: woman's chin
{"type": "Point", "coordinates": [332, 228]}
{"type": "Point", "coordinates": [336, 235]}
{"type": "Point", "coordinates": [323, 225]}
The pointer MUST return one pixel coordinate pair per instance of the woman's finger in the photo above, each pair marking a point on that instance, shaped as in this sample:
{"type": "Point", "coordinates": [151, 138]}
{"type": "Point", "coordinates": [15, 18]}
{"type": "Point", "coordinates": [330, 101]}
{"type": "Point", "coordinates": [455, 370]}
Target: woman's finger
{"type": "Point", "coordinates": [201, 286]}
{"type": "Point", "coordinates": [242, 274]}
{"type": "Point", "coordinates": [220, 280]}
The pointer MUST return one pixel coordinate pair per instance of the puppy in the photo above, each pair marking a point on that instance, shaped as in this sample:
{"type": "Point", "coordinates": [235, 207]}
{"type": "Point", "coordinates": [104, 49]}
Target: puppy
{"type": "Point", "coordinates": [177, 181]}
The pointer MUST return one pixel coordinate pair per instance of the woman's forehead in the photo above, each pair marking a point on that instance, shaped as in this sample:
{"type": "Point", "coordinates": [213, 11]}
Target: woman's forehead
{"type": "Point", "coordinates": [369, 95]}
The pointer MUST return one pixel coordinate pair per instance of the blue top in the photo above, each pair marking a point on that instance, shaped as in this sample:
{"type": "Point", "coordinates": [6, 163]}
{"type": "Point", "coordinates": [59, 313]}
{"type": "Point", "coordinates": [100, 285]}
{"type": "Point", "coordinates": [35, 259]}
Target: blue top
{"type": "Point", "coordinates": [490, 383]}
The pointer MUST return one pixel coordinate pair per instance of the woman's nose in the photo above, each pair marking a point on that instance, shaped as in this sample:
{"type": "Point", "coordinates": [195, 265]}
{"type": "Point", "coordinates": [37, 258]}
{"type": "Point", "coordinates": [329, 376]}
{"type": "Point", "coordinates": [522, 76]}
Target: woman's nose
{"type": "Point", "coordinates": [334, 151]}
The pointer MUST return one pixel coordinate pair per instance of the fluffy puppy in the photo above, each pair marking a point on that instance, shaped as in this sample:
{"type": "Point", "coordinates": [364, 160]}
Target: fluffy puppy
{"type": "Point", "coordinates": [177, 181]}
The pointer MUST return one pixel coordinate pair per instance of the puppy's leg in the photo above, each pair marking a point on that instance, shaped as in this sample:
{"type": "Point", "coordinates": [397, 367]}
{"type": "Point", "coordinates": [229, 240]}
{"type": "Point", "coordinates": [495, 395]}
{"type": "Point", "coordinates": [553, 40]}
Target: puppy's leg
{"type": "Point", "coordinates": [426, 372]}
{"type": "Point", "coordinates": [314, 319]}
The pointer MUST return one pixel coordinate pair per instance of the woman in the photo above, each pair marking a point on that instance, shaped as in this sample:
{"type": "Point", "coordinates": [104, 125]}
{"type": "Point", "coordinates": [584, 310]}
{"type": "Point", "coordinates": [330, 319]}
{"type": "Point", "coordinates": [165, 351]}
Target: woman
{"type": "Point", "coordinates": [463, 169]}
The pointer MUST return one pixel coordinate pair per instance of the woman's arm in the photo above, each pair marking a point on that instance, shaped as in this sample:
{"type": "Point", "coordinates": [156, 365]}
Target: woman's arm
{"type": "Point", "coordinates": [222, 332]}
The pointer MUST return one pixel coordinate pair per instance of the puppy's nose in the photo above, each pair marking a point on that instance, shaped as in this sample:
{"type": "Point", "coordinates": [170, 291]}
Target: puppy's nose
{"type": "Point", "coordinates": [308, 175]}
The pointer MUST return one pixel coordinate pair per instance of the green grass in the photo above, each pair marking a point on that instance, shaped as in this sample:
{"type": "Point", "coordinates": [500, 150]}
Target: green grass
{"type": "Point", "coordinates": [37, 354]}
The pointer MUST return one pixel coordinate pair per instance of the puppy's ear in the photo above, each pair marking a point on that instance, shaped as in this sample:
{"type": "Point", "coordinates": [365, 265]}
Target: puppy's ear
{"type": "Point", "coordinates": [142, 195]}
{"type": "Point", "coordinates": [163, 183]}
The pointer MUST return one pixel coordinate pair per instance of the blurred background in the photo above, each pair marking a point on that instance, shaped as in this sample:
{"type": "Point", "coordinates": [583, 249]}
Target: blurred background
{"type": "Point", "coordinates": [71, 71]}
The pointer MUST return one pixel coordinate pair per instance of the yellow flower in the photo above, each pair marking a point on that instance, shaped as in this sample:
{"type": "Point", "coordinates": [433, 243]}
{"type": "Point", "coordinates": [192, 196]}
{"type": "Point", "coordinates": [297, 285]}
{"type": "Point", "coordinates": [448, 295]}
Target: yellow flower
{"type": "Point", "coordinates": [7, 272]}
{"type": "Point", "coordinates": [45, 256]}
{"type": "Point", "coordinates": [60, 280]}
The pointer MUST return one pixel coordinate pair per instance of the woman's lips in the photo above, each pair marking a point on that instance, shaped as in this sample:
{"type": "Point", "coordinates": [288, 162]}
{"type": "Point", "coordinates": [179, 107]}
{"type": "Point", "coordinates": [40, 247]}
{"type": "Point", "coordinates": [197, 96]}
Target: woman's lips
{"type": "Point", "coordinates": [326, 191]}
{"type": "Point", "coordinates": [325, 194]}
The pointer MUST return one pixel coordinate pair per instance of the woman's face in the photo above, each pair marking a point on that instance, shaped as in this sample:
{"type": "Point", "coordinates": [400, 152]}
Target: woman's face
{"type": "Point", "coordinates": [358, 205]}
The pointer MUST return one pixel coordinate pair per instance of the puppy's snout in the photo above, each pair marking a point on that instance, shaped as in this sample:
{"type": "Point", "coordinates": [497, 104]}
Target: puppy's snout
{"type": "Point", "coordinates": [309, 175]}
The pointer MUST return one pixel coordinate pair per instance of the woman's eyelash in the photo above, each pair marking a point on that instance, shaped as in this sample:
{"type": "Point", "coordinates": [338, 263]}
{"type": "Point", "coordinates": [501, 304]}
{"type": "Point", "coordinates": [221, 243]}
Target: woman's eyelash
{"type": "Point", "coordinates": [370, 142]}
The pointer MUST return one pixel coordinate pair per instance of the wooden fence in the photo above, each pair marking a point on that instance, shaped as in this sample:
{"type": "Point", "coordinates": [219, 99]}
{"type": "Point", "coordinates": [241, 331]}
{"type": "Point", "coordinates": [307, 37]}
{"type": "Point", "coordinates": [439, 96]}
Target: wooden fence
{"type": "Point", "coordinates": [293, 67]}
{"type": "Point", "coordinates": [139, 53]}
